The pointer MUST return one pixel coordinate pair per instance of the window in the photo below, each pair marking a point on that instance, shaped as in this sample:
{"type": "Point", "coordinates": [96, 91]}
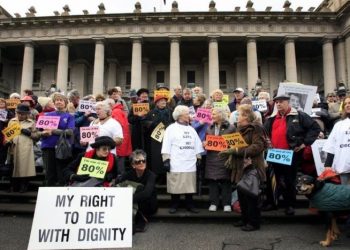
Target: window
{"type": "Point", "coordinates": [222, 79]}
{"type": "Point", "coordinates": [128, 80]}
{"type": "Point", "coordinates": [191, 76]}
{"type": "Point", "coordinates": [37, 77]}
{"type": "Point", "coordinates": [160, 77]}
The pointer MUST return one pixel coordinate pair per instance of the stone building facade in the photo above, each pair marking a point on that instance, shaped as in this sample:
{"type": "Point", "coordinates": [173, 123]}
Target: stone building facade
{"type": "Point", "coordinates": [93, 52]}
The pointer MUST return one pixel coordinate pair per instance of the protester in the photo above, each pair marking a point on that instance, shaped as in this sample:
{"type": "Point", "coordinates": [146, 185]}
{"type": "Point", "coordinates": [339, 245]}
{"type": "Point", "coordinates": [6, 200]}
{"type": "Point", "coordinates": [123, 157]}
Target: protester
{"type": "Point", "coordinates": [198, 101]}
{"type": "Point", "coordinates": [186, 98]}
{"type": "Point", "coordinates": [73, 98]}
{"type": "Point", "coordinates": [335, 109]}
{"type": "Point", "coordinates": [176, 97]}
{"type": "Point", "coordinates": [47, 105]}
{"type": "Point", "coordinates": [28, 100]}
{"type": "Point", "coordinates": [269, 104]}
{"type": "Point", "coordinates": [239, 95]}
{"type": "Point", "coordinates": [116, 94]}
{"type": "Point", "coordinates": [6, 116]}
{"type": "Point", "coordinates": [245, 101]}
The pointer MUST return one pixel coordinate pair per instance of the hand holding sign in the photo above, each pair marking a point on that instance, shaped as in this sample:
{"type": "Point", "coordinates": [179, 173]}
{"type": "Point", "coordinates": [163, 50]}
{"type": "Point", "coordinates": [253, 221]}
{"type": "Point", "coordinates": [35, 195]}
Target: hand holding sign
{"type": "Point", "coordinates": [204, 115]}
{"type": "Point", "coordinates": [48, 122]}
{"type": "Point", "coordinates": [85, 106]}
{"type": "Point", "coordinates": [12, 103]}
{"type": "Point", "coordinates": [88, 134]}
{"type": "Point", "coordinates": [140, 109]}
{"type": "Point", "coordinates": [235, 140]}
{"type": "Point", "coordinates": [215, 143]}
{"type": "Point", "coordinates": [280, 156]}
{"type": "Point", "coordinates": [92, 167]}
{"type": "Point", "coordinates": [158, 132]}
{"type": "Point", "coordinates": [260, 105]}
{"type": "Point", "coordinates": [12, 131]}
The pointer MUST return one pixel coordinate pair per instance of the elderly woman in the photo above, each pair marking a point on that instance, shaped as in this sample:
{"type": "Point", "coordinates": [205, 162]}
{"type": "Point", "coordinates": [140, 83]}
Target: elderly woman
{"type": "Point", "coordinates": [50, 137]}
{"type": "Point", "coordinates": [198, 101]}
{"type": "Point", "coordinates": [245, 101]}
{"type": "Point", "coordinates": [252, 133]}
{"type": "Point", "coordinates": [28, 100]}
{"type": "Point", "coordinates": [5, 116]}
{"type": "Point", "coordinates": [181, 154]}
{"type": "Point", "coordinates": [107, 125]}
{"type": "Point", "coordinates": [22, 149]}
{"type": "Point", "coordinates": [215, 171]}
{"type": "Point", "coordinates": [269, 103]}
{"type": "Point", "coordinates": [101, 150]}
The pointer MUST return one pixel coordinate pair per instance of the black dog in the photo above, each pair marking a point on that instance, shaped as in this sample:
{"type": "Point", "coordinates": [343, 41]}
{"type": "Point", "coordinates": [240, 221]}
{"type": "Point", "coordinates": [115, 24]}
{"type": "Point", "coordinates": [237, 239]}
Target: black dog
{"type": "Point", "coordinates": [330, 199]}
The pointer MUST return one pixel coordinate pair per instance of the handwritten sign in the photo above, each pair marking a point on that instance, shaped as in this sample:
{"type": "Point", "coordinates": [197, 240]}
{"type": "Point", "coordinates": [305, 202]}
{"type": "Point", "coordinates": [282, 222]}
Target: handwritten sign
{"type": "Point", "coordinates": [162, 93]}
{"type": "Point", "coordinates": [219, 105]}
{"type": "Point", "coordinates": [89, 134]}
{"type": "Point", "coordinates": [87, 106]}
{"type": "Point", "coordinates": [235, 140]}
{"type": "Point", "coordinates": [204, 115]}
{"type": "Point", "coordinates": [280, 156]}
{"type": "Point", "coordinates": [12, 103]}
{"type": "Point", "coordinates": [92, 167]}
{"type": "Point", "coordinates": [225, 99]}
{"type": "Point", "coordinates": [12, 131]}
{"type": "Point", "coordinates": [3, 115]}
{"type": "Point", "coordinates": [140, 109]}
{"type": "Point", "coordinates": [158, 132]}
{"type": "Point", "coordinates": [215, 143]}
{"type": "Point", "coordinates": [260, 105]}
{"type": "Point", "coordinates": [48, 122]}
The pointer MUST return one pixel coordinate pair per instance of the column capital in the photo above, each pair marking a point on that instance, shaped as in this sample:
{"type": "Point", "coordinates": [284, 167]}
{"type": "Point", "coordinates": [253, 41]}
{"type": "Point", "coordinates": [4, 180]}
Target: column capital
{"type": "Point", "coordinates": [28, 42]}
{"type": "Point", "coordinates": [328, 39]}
{"type": "Point", "coordinates": [289, 39]}
{"type": "Point", "coordinates": [340, 39]}
{"type": "Point", "coordinates": [251, 38]}
{"type": "Point", "coordinates": [213, 38]}
{"type": "Point", "coordinates": [136, 39]}
{"type": "Point", "coordinates": [63, 41]}
{"type": "Point", "coordinates": [99, 40]}
{"type": "Point", "coordinates": [174, 39]}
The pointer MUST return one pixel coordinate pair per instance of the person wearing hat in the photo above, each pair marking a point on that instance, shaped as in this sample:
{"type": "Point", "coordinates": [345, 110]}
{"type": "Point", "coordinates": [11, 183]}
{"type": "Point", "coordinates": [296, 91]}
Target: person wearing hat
{"type": "Point", "coordinates": [161, 86]}
{"type": "Point", "coordinates": [47, 104]}
{"type": "Point", "coordinates": [5, 116]}
{"type": "Point", "coordinates": [101, 150]}
{"type": "Point", "coordinates": [28, 100]}
{"type": "Point", "coordinates": [290, 129]}
{"type": "Point", "coordinates": [239, 94]}
{"type": "Point", "coordinates": [335, 109]}
{"type": "Point", "coordinates": [21, 148]}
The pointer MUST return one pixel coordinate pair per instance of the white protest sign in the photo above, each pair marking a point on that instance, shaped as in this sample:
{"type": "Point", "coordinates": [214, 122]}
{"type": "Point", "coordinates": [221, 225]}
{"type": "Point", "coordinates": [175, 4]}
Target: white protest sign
{"type": "Point", "coordinates": [319, 155]}
{"type": "Point", "coordinates": [3, 115]}
{"type": "Point", "coordinates": [87, 106]}
{"type": "Point", "coordinates": [82, 218]}
{"type": "Point", "coordinates": [260, 105]}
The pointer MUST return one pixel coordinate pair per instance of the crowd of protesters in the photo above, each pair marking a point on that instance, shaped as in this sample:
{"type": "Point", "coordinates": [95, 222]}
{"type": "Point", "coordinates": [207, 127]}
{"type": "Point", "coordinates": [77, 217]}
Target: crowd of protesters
{"type": "Point", "coordinates": [179, 159]}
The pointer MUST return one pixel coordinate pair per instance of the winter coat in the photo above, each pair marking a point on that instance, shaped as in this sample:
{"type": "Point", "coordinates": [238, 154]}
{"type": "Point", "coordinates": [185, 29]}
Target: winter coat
{"type": "Point", "coordinates": [138, 138]}
{"type": "Point", "coordinates": [119, 115]}
{"type": "Point", "coordinates": [215, 168]}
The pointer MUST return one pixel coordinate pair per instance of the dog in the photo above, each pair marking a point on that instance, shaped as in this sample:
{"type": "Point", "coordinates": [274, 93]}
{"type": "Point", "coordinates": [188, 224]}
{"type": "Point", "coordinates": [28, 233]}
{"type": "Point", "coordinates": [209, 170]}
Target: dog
{"type": "Point", "coordinates": [330, 199]}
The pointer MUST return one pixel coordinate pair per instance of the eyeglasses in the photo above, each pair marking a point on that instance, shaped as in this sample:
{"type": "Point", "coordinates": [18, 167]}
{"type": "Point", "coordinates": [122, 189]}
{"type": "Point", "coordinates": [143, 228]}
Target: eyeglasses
{"type": "Point", "coordinates": [139, 162]}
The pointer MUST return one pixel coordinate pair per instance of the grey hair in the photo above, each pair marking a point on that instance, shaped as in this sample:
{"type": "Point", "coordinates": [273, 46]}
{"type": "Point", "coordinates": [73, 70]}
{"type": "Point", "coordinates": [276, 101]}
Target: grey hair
{"type": "Point", "coordinates": [72, 94]}
{"type": "Point", "coordinates": [88, 97]}
{"type": "Point", "coordinates": [105, 106]}
{"type": "Point", "coordinates": [208, 102]}
{"type": "Point", "coordinates": [110, 102]}
{"type": "Point", "coordinates": [222, 112]}
{"type": "Point", "coordinates": [179, 110]}
{"type": "Point", "coordinates": [187, 90]}
{"type": "Point", "coordinates": [137, 152]}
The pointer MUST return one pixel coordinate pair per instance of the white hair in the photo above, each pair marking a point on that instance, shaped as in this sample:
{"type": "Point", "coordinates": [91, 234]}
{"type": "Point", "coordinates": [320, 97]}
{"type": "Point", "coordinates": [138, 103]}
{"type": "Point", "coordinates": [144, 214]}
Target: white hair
{"type": "Point", "coordinates": [110, 102]}
{"type": "Point", "coordinates": [180, 110]}
{"type": "Point", "coordinates": [264, 95]}
{"type": "Point", "coordinates": [15, 95]}
{"type": "Point", "coordinates": [222, 112]}
{"type": "Point", "coordinates": [105, 106]}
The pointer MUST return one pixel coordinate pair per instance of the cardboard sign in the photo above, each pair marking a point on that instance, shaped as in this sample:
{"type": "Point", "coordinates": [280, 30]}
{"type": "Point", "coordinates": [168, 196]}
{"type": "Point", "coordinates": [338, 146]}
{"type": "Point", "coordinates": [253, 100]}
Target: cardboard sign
{"type": "Point", "coordinates": [3, 115]}
{"type": "Point", "coordinates": [192, 111]}
{"type": "Point", "coordinates": [225, 99]}
{"type": "Point", "coordinates": [219, 105]}
{"type": "Point", "coordinates": [82, 218]}
{"type": "Point", "coordinates": [158, 132]}
{"type": "Point", "coordinates": [48, 122]}
{"type": "Point", "coordinates": [215, 143]}
{"type": "Point", "coordinates": [162, 93]}
{"type": "Point", "coordinates": [92, 167]}
{"type": "Point", "coordinates": [280, 156]}
{"type": "Point", "coordinates": [204, 115]}
{"type": "Point", "coordinates": [319, 155]}
{"type": "Point", "coordinates": [260, 105]}
{"type": "Point", "coordinates": [87, 106]}
{"type": "Point", "coordinates": [88, 134]}
{"type": "Point", "coordinates": [235, 140]}
{"type": "Point", "coordinates": [12, 103]}
{"type": "Point", "coordinates": [140, 109]}
{"type": "Point", "coordinates": [12, 131]}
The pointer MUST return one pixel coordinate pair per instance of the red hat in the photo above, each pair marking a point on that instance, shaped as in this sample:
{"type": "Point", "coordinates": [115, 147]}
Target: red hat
{"type": "Point", "coordinates": [158, 97]}
{"type": "Point", "coordinates": [28, 98]}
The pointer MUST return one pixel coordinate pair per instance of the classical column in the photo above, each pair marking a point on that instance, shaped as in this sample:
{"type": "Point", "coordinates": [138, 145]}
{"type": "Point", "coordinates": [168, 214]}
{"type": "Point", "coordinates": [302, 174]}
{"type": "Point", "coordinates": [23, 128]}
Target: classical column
{"type": "Point", "coordinates": [97, 84]}
{"type": "Point", "coordinates": [174, 79]}
{"type": "Point", "coordinates": [28, 66]}
{"type": "Point", "coordinates": [144, 76]}
{"type": "Point", "coordinates": [62, 68]}
{"type": "Point", "coordinates": [252, 63]}
{"type": "Point", "coordinates": [214, 81]}
{"type": "Point", "coordinates": [291, 65]}
{"type": "Point", "coordinates": [347, 59]}
{"type": "Point", "coordinates": [136, 63]}
{"type": "Point", "coordinates": [112, 73]}
{"type": "Point", "coordinates": [205, 75]}
{"type": "Point", "coordinates": [340, 61]}
{"type": "Point", "coordinates": [328, 66]}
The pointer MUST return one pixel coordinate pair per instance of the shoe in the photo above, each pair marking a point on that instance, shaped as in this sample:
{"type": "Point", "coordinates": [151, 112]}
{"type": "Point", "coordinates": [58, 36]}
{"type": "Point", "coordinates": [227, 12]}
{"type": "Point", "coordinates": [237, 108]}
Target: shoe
{"type": "Point", "coordinates": [227, 209]}
{"type": "Point", "coordinates": [239, 223]}
{"type": "Point", "coordinates": [212, 208]}
{"type": "Point", "coordinates": [193, 210]}
{"type": "Point", "coordinates": [289, 211]}
{"type": "Point", "coordinates": [172, 210]}
{"type": "Point", "coordinates": [249, 228]}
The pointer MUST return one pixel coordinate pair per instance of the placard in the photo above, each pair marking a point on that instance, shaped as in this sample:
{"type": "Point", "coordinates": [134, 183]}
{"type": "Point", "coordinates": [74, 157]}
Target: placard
{"type": "Point", "coordinates": [204, 115]}
{"type": "Point", "coordinates": [280, 156]}
{"type": "Point", "coordinates": [235, 140]}
{"type": "Point", "coordinates": [82, 218]}
{"type": "Point", "coordinates": [140, 109]}
{"type": "Point", "coordinates": [48, 122]}
{"type": "Point", "coordinates": [87, 106]}
{"type": "Point", "coordinates": [162, 93]}
{"type": "Point", "coordinates": [319, 155]}
{"type": "Point", "coordinates": [158, 132]}
{"type": "Point", "coordinates": [192, 112]}
{"type": "Point", "coordinates": [12, 103]}
{"type": "Point", "coordinates": [3, 115]}
{"type": "Point", "coordinates": [225, 99]}
{"type": "Point", "coordinates": [260, 105]}
{"type": "Point", "coordinates": [92, 167]}
{"type": "Point", "coordinates": [215, 143]}
{"type": "Point", "coordinates": [12, 131]}
{"type": "Point", "coordinates": [88, 134]}
{"type": "Point", "coordinates": [219, 104]}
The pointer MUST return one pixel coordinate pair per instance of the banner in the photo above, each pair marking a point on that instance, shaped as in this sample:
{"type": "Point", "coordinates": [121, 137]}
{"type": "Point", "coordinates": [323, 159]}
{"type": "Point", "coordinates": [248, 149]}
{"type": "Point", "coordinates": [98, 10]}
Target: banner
{"type": "Point", "coordinates": [204, 115]}
{"type": "Point", "coordinates": [92, 167]}
{"type": "Point", "coordinates": [82, 218]}
{"type": "Point", "coordinates": [48, 122]}
{"type": "Point", "coordinates": [88, 134]}
{"type": "Point", "coordinates": [215, 143]}
{"type": "Point", "coordinates": [87, 106]}
{"type": "Point", "coordinates": [12, 131]}
{"type": "Point", "coordinates": [140, 109]}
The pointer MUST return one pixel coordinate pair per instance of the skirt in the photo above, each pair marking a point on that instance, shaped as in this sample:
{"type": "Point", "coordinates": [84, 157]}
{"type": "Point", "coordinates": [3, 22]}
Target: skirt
{"type": "Point", "coordinates": [181, 183]}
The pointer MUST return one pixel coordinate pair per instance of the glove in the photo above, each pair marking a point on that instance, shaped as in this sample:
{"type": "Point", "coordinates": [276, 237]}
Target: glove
{"type": "Point", "coordinates": [26, 132]}
{"type": "Point", "coordinates": [166, 165]}
{"type": "Point", "coordinates": [108, 177]}
{"type": "Point", "coordinates": [80, 178]}
{"type": "Point", "coordinates": [227, 152]}
{"type": "Point", "coordinates": [198, 162]}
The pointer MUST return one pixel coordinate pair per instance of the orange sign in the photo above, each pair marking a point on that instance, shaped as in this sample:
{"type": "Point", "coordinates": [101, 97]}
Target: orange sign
{"type": "Point", "coordinates": [215, 143]}
{"type": "Point", "coordinates": [235, 140]}
{"type": "Point", "coordinates": [140, 109]}
{"type": "Point", "coordinates": [163, 93]}
{"type": "Point", "coordinates": [12, 103]}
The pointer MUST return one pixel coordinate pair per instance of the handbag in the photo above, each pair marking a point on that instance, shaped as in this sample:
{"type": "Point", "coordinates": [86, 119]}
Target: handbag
{"type": "Point", "coordinates": [63, 149]}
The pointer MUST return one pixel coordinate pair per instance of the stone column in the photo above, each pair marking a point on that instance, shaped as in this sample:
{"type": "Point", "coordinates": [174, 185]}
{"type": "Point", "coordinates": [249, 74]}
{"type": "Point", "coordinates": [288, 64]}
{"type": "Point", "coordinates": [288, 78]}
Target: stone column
{"type": "Point", "coordinates": [174, 79]}
{"type": "Point", "coordinates": [347, 59]}
{"type": "Point", "coordinates": [252, 63]}
{"type": "Point", "coordinates": [340, 61]}
{"type": "Point", "coordinates": [112, 73]}
{"type": "Point", "coordinates": [328, 66]}
{"type": "Point", "coordinates": [62, 68]}
{"type": "Point", "coordinates": [205, 76]}
{"type": "Point", "coordinates": [97, 84]}
{"type": "Point", "coordinates": [136, 63]}
{"type": "Point", "coordinates": [28, 66]}
{"type": "Point", "coordinates": [291, 65]}
{"type": "Point", "coordinates": [214, 81]}
{"type": "Point", "coordinates": [144, 77]}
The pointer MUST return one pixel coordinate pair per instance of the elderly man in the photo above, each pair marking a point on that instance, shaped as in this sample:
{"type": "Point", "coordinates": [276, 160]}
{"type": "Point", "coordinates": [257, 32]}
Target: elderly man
{"type": "Point", "coordinates": [176, 97]}
{"type": "Point", "coordinates": [335, 109]}
{"type": "Point", "coordinates": [239, 95]}
{"type": "Point", "coordinates": [290, 129]}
